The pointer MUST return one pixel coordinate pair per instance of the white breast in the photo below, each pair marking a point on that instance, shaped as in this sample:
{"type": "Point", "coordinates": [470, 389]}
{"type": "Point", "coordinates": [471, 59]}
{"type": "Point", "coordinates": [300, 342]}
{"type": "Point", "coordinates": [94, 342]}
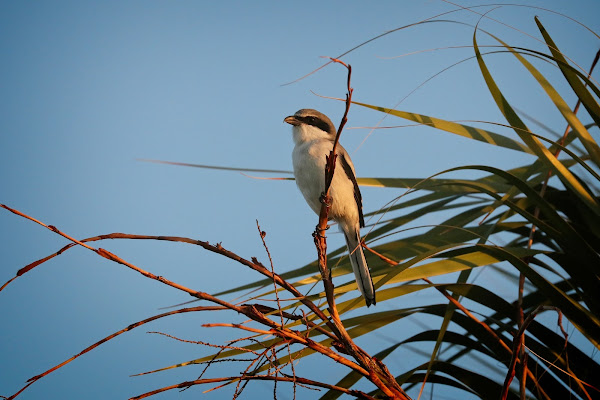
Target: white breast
{"type": "Point", "coordinates": [309, 170]}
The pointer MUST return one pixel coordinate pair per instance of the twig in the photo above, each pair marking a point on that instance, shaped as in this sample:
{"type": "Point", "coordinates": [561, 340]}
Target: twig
{"type": "Point", "coordinates": [356, 393]}
{"type": "Point", "coordinates": [218, 346]}
{"type": "Point", "coordinates": [228, 346]}
{"type": "Point", "coordinates": [378, 373]}
{"type": "Point", "coordinates": [518, 345]}
{"type": "Point", "coordinates": [320, 239]}
{"type": "Point", "coordinates": [262, 237]}
{"type": "Point", "coordinates": [297, 337]}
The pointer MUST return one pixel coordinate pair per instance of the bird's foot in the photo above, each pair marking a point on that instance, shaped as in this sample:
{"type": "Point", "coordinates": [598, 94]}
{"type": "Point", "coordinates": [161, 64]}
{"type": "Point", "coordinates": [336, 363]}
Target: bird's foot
{"type": "Point", "coordinates": [324, 199]}
{"type": "Point", "coordinates": [320, 232]}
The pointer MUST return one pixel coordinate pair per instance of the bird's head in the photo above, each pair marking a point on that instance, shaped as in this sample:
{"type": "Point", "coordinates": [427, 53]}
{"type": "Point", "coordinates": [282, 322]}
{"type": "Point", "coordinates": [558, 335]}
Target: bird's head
{"type": "Point", "coordinates": [309, 124]}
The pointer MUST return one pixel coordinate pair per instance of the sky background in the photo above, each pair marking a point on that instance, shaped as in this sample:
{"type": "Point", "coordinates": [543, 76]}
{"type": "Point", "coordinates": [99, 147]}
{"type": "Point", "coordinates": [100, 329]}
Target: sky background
{"type": "Point", "coordinates": [89, 88]}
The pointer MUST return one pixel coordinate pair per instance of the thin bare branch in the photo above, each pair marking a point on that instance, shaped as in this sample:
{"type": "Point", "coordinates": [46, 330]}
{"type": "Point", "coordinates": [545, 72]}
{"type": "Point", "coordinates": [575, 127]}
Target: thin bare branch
{"type": "Point", "coordinates": [378, 373]}
{"type": "Point", "coordinates": [356, 393]}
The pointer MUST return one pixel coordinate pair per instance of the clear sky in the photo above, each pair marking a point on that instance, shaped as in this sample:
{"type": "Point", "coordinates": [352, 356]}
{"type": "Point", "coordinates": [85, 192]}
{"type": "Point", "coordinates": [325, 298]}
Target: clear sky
{"type": "Point", "coordinates": [87, 88]}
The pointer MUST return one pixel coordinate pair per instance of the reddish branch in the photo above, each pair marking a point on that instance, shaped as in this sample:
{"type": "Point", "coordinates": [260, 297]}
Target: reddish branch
{"type": "Point", "coordinates": [262, 237]}
{"type": "Point", "coordinates": [518, 345]}
{"type": "Point", "coordinates": [183, 385]}
{"type": "Point", "coordinates": [378, 372]}
{"type": "Point", "coordinates": [320, 239]}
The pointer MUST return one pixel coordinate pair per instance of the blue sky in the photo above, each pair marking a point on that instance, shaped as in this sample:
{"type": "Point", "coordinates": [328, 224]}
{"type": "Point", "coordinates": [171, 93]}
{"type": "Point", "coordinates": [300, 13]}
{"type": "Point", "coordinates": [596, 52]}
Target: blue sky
{"type": "Point", "coordinates": [88, 88]}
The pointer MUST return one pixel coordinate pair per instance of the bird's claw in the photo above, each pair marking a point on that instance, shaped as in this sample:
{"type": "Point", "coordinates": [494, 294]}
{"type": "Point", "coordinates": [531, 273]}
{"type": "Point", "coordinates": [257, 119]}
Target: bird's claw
{"type": "Point", "coordinates": [324, 199]}
{"type": "Point", "coordinates": [319, 231]}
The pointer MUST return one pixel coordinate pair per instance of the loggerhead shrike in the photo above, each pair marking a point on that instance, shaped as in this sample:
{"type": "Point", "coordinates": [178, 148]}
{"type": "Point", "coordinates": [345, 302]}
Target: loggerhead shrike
{"type": "Point", "coordinates": [314, 135]}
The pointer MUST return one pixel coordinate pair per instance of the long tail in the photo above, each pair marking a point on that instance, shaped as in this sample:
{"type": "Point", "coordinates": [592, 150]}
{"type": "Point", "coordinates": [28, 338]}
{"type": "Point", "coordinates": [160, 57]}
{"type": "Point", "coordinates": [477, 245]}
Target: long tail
{"type": "Point", "coordinates": [359, 266]}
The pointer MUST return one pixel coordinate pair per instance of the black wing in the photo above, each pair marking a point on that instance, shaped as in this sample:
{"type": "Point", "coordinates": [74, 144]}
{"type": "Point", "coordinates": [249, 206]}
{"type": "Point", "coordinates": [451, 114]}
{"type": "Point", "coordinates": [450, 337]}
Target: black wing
{"type": "Point", "coordinates": [357, 196]}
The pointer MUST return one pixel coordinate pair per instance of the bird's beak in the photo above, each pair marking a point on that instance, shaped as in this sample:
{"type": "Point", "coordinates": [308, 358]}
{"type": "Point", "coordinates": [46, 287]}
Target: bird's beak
{"type": "Point", "coordinates": [291, 120]}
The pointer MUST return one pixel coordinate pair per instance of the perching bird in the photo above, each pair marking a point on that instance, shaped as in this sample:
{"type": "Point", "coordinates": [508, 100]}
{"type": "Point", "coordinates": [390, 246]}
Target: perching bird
{"type": "Point", "coordinates": [314, 135]}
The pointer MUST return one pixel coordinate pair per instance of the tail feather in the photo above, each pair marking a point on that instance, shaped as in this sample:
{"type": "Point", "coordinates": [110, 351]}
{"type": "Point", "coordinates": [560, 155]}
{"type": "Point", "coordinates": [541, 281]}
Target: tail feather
{"type": "Point", "coordinates": [360, 267]}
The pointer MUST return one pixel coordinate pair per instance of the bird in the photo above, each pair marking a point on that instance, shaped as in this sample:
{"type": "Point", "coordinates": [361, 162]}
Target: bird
{"type": "Point", "coordinates": [314, 135]}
